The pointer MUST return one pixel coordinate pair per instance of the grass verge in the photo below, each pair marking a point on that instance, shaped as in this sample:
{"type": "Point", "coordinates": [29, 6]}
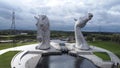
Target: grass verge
{"type": "Point", "coordinates": [5, 59]}
{"type": "Point", "coordinates": [8, 45]}
{"type": "Point", "coordinates": [111, 46]}
{"type": "Point", "coordinates": [103, 55]}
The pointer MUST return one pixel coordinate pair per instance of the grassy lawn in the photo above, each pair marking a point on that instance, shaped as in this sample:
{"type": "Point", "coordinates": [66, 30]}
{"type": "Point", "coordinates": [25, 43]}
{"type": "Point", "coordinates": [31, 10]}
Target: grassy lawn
{"type": "Point", "coordinates": [103, 55]}
{"type": "Point", "coordinates": [8, 45]}
{"type": "Point", "coordinates": [5, 59]}
{"type": "Point", "coordinates": [111, 46]}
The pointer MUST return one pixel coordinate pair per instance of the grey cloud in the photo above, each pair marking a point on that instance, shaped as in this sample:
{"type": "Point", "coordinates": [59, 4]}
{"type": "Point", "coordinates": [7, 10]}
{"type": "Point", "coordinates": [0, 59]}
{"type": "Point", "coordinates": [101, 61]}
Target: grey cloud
{"type": "Point", "coordinates": [5, 6]}
{"type": "Point", "coordinates": [61, 16]}
{"type": "Point", "coordinates": [108, 18]}
{"type": "Point", "coordinates": [6, 10]}
{"type": "Point", "coordinates": [111, 3]}
{"type": "Point", "coordinates": [5, 14]}
{"type": "Point", "coordinates": [61, 25]}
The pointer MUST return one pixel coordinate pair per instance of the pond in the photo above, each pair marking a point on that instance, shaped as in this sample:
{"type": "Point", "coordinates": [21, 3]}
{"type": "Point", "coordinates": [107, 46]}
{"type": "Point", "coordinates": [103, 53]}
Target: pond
{"type": "Point", "coordinates": [64, 61]}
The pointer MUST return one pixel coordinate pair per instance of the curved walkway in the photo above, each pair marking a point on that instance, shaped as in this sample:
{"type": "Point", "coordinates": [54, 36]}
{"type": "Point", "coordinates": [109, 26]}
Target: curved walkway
{"type": "Point", "coordinates": [113, 57]}
{"type": "Point", "coordinates": [31, 47]}
{"type": "Point", "coordinates": [19, 48]}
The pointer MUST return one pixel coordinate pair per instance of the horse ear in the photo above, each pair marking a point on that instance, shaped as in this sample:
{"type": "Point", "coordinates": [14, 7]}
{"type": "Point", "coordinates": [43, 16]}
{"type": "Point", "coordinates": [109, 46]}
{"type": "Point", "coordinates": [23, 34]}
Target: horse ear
{"type": "Point", "coordinates": [36, 17]}
{"type": "Point", "coordinates": [75, 19]}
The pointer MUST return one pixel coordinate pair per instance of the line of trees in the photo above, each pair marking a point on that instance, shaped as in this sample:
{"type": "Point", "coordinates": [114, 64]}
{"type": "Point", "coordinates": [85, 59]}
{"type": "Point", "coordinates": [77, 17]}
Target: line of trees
{"type": "Point", "coordinates": [90, 36]}
{"type": "Point", "coordinates": [102, 37]}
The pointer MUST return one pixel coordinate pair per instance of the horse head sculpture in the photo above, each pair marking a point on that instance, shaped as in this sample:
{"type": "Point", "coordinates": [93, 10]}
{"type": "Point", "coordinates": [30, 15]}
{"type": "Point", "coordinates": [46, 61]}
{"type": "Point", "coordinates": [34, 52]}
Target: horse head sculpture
{"type": "Point", "coordinates": [43, 31]}
{"type": "Point", "coordinates": [80, 23]}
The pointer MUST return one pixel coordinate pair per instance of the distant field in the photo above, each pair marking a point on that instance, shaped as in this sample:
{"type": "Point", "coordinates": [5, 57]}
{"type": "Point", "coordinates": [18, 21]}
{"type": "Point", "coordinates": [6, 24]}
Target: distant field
{"type": "Point", "coordinates": [5, 59]}
{"type": "Point", "coordinates": [8, 45]}
{"type": "Point", "coordinates": [111, 46]}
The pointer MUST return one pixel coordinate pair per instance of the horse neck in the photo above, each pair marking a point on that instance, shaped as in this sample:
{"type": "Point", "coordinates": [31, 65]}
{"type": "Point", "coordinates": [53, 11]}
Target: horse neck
{"type": "Point", "coordinates": [78, 35]}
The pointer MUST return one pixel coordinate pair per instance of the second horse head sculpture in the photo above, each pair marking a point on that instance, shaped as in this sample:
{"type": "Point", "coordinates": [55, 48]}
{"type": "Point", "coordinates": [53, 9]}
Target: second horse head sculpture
{"type": "Point", "coordinates": [80, 40]}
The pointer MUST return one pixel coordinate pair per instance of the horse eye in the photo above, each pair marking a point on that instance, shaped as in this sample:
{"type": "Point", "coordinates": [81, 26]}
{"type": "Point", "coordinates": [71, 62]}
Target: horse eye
{"type": "Point", "coordinates": [41, 25]}
{"type": "Point", "coordinates": [36, 24]}
{"type": "Point", "coordinates": [43, 17]}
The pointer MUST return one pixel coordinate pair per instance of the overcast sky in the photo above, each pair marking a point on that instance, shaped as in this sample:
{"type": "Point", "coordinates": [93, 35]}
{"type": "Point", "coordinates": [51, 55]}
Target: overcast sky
{"type": "Point", "coordinates": [61, 13]}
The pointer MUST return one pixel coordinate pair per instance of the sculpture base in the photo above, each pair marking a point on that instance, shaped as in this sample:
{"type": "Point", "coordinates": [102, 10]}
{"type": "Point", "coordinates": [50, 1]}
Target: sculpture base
{"type": "Point", "coordinates": [82, 47]}
{"type": "Point", "coordinates": [30, 56]}
{"type": "Point", "coordinates": [42, 47]}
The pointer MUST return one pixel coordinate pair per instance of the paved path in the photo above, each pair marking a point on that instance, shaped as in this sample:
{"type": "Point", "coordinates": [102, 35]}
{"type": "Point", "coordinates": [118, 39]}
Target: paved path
{"type": "Point", "coordinates": [19, 48]}
{"type": "Point", "coordinates": [31, 47]}
{"type": "Point", "coordinates": [28, 47]}
{"type": "Point", "coordinates": [113, 57]}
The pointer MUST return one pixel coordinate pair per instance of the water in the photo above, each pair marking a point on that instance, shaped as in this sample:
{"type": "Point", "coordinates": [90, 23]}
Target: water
{"type": "Point", "coordinates": [64, 61]}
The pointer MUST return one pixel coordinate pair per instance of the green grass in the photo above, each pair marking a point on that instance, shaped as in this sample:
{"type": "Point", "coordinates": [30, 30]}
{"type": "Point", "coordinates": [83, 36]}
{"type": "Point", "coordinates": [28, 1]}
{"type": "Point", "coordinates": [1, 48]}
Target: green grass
{"type": "Point", "coordinates": [5, 59]}
{"type": "Point", "coordinates": [111, 46]}
{"type": "Point", "coordinates": [103, 55]}
{"type": "Point", "coordinates": [8, 45]}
